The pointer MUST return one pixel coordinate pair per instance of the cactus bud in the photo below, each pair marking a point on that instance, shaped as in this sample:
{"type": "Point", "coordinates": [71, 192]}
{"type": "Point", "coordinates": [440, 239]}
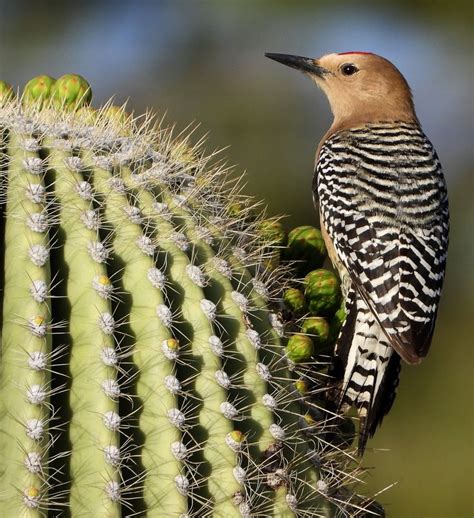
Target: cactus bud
{"type": "Point", "coordinates": [318, 329]}
{"type": "Point", "coordinates": [6, 91]}
{"type": "Point", "coordinates": [38, 89]}
{"type": "Point", "coordinates": [300, 348]}
{"type": "Point", "coordinates": [72, 91]}
{"type": "Point", "coordinates": [323, 291]}
{"type": "Point", "coordinates": [306, 246]}
{"type": "Point", "coordinates": [336, 322]}
{"type": "Point", "coordinates": [294, 300]}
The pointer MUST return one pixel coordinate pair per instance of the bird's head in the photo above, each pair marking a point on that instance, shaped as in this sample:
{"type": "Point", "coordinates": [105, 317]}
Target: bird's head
{"type": "Point", "coordinates": [361, 87]}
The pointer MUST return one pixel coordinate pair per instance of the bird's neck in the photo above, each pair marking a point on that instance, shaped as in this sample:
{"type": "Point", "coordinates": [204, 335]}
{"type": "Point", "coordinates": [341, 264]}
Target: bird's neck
{"type": "Point", "coordinates": [358, 120]}
{"type": "Point", "coordinates": [355, 123]}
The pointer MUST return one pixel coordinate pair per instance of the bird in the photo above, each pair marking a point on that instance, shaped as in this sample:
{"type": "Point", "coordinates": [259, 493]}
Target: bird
{"type": "Point", "coordinates": [383, 206]}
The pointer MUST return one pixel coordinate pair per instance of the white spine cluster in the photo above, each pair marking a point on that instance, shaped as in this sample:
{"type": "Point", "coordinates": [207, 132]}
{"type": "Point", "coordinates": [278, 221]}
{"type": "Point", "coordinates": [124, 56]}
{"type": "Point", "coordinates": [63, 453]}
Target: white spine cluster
{"type": "Point", "coordinates": [35, 192]}
{"type": "Point", "coordinates": [165, 315]}
{"type": "Point", "coordinates": [39, 290]}
{"type": "Point", "coordinates": [216, 346]}
{"type": "Point", "coordinates": [196, 275]}
{"type": "Point", "coordinates": [157, 278]}
{"type": "Point", "coordinates": [111, 420]}
{"type": "Point", "coordinates": [98, 251]}
{"type": "Point", "coordinates": [38, 254]}
{"type": "Point", "coordinates": [33, 165]}
{"type": "Point", "coordinates": [209, 309]}
{"type": "Point", "coordinates": [146, 245]}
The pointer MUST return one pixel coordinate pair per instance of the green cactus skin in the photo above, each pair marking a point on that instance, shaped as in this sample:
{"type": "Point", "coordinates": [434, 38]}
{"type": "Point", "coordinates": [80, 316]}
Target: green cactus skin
{"type": "Point", "coordinates": [146, 369]}
{"type": "Point", "coordinates": [323, 292]}
{"type": "Point", "coordinates": [306, 247]}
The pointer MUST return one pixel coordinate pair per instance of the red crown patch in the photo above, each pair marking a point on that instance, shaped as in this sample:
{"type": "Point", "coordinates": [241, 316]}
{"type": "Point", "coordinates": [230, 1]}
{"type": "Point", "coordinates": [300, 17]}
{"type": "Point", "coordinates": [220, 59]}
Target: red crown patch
{"type": "Point", "coordinates": [354, 52]}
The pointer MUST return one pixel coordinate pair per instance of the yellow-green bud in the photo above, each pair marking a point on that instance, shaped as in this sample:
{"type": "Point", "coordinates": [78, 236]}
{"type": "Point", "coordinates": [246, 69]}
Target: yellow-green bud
{"type": "Point", "coordinates": [300, 348]}
{"type": "Point", "coordinates": [38, 89]}
{"type": "Point", "coordinates": [72, 90]}
{"type": "Point", "coordinates": [294, 300]}
{"type": "Point", "coordinates": [6, 91]}
{"type": "Point", "coordinates": [323, 291]}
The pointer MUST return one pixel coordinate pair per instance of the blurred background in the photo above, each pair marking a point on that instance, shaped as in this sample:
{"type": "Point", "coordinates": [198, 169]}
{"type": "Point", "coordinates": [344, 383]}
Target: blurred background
{"type": "Point", "coordinates": [203, 61]}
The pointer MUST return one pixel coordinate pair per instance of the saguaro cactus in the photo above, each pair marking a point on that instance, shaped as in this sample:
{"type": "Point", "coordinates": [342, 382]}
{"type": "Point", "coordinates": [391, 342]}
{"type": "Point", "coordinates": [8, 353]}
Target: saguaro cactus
{"type": "Point", "coordinates": [149, 365]}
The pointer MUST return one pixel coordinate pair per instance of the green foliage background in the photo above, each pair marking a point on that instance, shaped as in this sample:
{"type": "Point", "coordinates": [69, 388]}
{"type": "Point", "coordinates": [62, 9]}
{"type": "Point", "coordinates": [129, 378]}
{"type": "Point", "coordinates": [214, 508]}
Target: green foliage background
{"type": "Point", "coordinates": [203, 61]}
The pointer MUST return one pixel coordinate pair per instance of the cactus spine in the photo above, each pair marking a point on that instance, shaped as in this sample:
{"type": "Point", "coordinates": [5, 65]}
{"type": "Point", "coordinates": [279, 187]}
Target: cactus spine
{"type": "Point", "coordinates": [146, 369]}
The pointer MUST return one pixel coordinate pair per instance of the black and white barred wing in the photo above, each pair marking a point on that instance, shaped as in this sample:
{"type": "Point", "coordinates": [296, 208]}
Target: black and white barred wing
{"type": "Point", "coordinates": [384, 205]}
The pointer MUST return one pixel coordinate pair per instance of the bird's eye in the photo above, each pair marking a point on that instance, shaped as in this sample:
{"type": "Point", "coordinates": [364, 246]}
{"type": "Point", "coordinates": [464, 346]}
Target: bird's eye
{"type": "Point", "coordinates": [349, 69]}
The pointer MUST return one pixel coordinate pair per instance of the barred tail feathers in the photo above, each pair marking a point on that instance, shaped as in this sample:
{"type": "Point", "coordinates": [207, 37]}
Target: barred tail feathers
{"type": "Point", "coordinates": [366, 368]}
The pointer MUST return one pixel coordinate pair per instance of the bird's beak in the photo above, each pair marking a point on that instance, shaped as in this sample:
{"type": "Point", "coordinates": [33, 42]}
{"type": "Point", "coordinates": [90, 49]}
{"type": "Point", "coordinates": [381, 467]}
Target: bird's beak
{"type": "Point", "coordinates": [307, 65]}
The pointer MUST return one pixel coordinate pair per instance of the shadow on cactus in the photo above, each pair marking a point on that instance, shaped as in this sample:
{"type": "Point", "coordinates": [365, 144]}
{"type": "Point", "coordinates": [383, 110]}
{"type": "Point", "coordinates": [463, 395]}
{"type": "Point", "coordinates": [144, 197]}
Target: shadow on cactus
{"type": "Point", "coordinates": [158, 357]}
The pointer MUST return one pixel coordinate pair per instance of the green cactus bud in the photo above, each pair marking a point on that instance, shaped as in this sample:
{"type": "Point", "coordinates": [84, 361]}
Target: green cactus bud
{"type": "Point", "coordinates": [323, 292]}
{"type": "Point", "coordinates": [6, 91]}
{"type": "Point", "coordinates": [71, 90]}
{"type": "Point", "coordinates": [294, 300]}
{"type": "Point", "coordinates": [336, 322]}
{"type": "Point", "coordinates": [306, 246]}
{"type": "Point", "coordinates": [318, 329]}
{"type": "Point", "coordinates": [300, 348]}
{"type": "Point", "coordinates": [38, 89]}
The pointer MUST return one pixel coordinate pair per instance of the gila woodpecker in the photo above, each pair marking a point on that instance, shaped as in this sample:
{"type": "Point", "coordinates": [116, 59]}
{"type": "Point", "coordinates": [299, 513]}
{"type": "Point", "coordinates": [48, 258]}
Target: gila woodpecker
{"type": "Point", "coordinates": [384, 216]}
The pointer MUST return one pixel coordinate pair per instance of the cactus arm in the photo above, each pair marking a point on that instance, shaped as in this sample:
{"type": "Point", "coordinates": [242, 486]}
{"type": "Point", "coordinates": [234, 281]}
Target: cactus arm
{"type": "Point", "coordinates": [94, 428]}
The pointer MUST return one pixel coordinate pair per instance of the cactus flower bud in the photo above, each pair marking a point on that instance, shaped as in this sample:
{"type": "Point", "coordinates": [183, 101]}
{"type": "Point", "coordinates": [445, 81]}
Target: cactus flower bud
{"type": "Point", "coordinates": [71, 90]}
{"type": "Point", "coordinates": [38, 89]}
{"type": "Point", "coordinates": [318, 329]}
{"type": "Point", "coordinates": [306, 246]}
{"type": "Point", "coordinates": [300, 348]}
{"type": "Point", "coordinates": [294, 300]}
{"type": "Point", "coordinates": [6, 91]}
{"type": "Point", "coordinates": [323, 291]}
